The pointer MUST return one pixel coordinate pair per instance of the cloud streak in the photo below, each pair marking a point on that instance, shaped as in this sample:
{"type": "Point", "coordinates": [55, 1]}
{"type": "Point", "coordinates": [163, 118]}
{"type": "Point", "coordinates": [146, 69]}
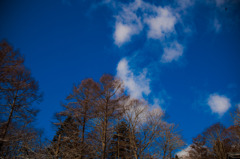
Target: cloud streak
{"type": "Point", "coordinates": [136, 85]}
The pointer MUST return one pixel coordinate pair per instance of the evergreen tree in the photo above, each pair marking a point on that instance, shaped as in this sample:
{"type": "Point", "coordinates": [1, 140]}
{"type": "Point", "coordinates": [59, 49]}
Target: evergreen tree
{"type": "Point", "coordinates": [66, 141]}
{"type": "Point", "coordinates": [120, 144]}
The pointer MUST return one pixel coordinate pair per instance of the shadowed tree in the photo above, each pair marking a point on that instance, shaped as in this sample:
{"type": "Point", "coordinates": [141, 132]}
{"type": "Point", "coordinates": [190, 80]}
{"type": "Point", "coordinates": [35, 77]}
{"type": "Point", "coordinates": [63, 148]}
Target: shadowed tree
{"type": "Point", "coordinates": [66, 142]}
{"type": "Point", "coordinates": [120, 143]}
{"type": "Point", "coordinates": [198, 149]}
{"type": "Point", "coordinates": [18, 91]}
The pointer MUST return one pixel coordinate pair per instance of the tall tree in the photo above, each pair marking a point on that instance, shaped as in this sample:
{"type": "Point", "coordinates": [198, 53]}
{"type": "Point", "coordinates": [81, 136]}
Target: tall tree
{"type": "Point", "coordinates": [109, 110]}
{"type": "Point", "coordinates": [145, 125]}
{"type": "Point", "coordinates": [66, 142]}
{"type": "Point", "coordinates": [18, 92]}
{"type": "Point", "coordinates": [81, 107]}
{"type": "Point", "coordinates": [169, 140]}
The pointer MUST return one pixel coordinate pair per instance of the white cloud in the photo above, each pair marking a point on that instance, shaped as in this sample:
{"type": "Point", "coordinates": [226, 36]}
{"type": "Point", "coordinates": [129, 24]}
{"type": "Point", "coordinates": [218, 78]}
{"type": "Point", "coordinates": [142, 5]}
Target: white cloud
{"type": "Point", "coordinates": [158, 22]}
{"type": "Point", "coordinates": [219, 104]}
{"type": "Point", "coordinates": [134, 16]}
{"type": "Point", "coordinates": [136, 86]}
{"type": "Point", "coordinates": [172, 52]}
{"type": "Point", "coordinates": [161, 24]}
{"type": "Point", "coordinates": [122, 34]}
{"type": "Point", "coordinates": [127, 23]}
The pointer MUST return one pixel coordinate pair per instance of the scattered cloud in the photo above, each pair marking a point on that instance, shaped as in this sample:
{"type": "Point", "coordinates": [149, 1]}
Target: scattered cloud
{"type": "Point", "coordinates": [127, 23]}
{"type": "Point", "coordinates": [218, 103]}
{"type": "Point", "coordinates": [136, 85]}
{"type": "Point", "coordinates": [122, 34]}
{"type": "Point", "coordinates": [158, 22]}
{"type": "Point", "coordinates": [161, 24]}
{"type": "Point", "coordinates": [172, 52]}
{"type": "Point", "coordinates": [134, 17]}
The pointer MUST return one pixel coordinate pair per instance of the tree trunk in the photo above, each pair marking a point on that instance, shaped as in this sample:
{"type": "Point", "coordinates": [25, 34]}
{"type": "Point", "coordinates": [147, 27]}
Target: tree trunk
{"type": "Point", "coordinates": [7, 125]}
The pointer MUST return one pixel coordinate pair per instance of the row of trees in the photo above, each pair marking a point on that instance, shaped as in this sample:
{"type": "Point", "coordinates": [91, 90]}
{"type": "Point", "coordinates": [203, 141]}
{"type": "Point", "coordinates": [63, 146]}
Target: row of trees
{"type": "Point", "coordinates": [99, 120]}
{"type": "Point", "coordinates": [217, 140]}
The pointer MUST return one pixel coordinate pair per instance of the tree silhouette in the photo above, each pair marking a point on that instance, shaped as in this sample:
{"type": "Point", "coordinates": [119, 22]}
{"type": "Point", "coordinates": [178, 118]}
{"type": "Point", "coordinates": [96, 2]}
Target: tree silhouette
{"type": "Point", "coordinates": [18, 91]}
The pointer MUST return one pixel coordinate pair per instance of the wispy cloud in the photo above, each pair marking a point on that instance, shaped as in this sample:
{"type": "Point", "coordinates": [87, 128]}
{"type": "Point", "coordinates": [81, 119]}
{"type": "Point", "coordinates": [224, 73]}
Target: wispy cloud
{"type": "Point", "coordinates": [172, 52]}
{"type": "Point", "coordinates": [158, 22]}
{"type": "Point", "coordinates": [127, 23]}
{"type": "Point", "coordinates": [218, 103]}
{"type": "Point", "coordinates": [136, 85]}
{"type": "Point", "coordinates": [217, 25]}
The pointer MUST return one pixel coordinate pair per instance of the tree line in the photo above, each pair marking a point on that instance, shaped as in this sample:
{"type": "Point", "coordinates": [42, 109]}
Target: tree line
{"type": "Point", "coordinates": [99, 120]}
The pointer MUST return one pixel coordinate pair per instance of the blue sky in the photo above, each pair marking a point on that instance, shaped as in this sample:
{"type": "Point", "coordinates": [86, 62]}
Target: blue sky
{"type": "Point", "coordinates": [179, 55]}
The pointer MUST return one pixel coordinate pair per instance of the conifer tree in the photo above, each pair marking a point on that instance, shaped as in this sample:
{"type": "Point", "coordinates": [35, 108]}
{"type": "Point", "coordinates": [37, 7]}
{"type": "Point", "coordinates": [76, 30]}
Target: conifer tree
{"type": "Point", "coordinates": [65, 143]}
{"type": "Point", "coordinates": [120, 144]}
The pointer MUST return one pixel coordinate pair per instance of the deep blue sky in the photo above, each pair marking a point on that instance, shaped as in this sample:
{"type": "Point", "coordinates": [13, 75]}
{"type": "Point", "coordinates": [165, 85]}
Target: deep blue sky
{"type": "Point", "coordinates": [182, 56]}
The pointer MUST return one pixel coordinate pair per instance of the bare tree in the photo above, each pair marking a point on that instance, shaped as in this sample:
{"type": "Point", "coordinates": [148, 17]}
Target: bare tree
{"type": "Point", "coordinates": [18, 91]}
{"type": "Point", "coordinates": [81, 108]}
{"type": "Point", "coordinates": [135, 115]}
{"type": "Point", "coordinates": [169, 140]}
{"type": "Point", "coordinates": [198, 149]}
{"type": "Point", "coordinates": [215, 142]}
{"type": "Point", "coordinates": [236, 118]}
{"type": "Point", "coordinates": [145, 126]}
{"type": "Point", "coordinates": [109, 110]}
{"type": "Point", "coordinates": [9, 60]}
